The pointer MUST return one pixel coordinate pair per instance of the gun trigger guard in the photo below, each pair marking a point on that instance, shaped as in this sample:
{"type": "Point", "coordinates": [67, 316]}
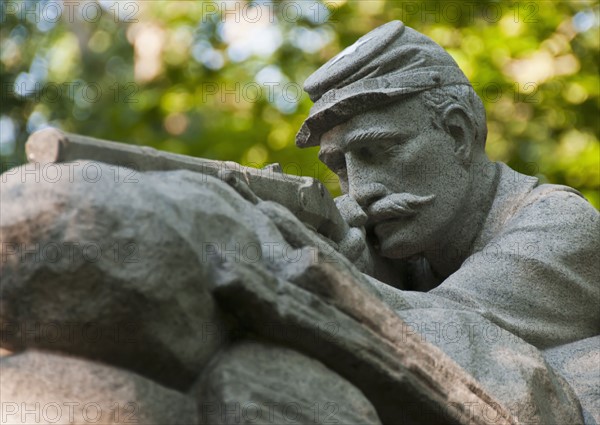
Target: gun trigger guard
{"type": "Point", "coordinates": [241, 187]}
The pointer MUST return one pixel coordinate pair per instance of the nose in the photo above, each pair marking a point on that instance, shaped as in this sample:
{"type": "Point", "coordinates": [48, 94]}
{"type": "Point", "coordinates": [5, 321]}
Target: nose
{"type": "Point", "coordinates": [366, 193]}
{"type": "Point", "coordinates": [361, 186]}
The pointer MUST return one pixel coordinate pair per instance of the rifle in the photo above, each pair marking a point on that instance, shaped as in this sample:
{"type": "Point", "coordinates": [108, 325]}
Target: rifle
{"type": "Point", "coordinates": [305, 197]}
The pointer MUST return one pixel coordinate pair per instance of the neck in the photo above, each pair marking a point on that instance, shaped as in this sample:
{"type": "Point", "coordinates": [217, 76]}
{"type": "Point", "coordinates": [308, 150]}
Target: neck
{"type": "Point", "coordinates": [458, 239]}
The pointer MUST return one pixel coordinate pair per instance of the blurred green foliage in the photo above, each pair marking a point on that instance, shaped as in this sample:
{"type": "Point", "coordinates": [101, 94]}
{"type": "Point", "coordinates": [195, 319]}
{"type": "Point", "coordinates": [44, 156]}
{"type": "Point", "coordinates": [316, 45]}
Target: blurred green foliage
{"type": "Point", "coordinates": [222, 80]}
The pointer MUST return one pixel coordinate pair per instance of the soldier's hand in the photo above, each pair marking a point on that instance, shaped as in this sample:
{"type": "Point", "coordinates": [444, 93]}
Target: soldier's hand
{"type": "Point", "coordinates": [354, 246]}
{"type": "Point", "coordinates": [351, 211]}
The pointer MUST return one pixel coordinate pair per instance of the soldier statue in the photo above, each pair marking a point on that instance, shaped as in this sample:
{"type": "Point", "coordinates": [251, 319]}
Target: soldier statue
{"type": "Point", "coordinates": [444, 288]}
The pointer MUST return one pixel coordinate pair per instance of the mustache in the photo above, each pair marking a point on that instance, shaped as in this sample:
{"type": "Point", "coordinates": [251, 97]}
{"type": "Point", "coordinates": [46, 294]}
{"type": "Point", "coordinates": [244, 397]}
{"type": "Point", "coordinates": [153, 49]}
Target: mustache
{"type": "Point", "coordinates": [397, 205]}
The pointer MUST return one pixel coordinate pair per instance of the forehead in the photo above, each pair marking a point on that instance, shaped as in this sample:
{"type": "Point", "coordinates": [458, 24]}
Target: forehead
{"type": "Point", "coordinates": [407, 117]}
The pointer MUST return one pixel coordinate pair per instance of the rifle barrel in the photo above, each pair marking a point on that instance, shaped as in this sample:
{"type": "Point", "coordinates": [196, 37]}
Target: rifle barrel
{"type": "Point", "coordinates": [305, 197]}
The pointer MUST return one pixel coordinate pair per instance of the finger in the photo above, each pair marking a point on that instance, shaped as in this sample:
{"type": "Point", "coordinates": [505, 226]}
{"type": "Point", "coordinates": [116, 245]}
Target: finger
{"type": "Point", "coordinates": [240, 187]}
{"type": "Point", "coordinates": [353, 244]}
{"type": "Point", "coordinates": [351, 211]}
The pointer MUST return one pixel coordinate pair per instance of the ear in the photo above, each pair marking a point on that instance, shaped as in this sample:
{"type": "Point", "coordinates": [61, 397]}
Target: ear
{"type": "Point", "coordinates": [460, 126]}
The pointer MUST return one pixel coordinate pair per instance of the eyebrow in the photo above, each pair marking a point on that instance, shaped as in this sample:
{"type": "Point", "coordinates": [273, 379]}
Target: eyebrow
{"type": "Point", "coordinates": [360, 137]}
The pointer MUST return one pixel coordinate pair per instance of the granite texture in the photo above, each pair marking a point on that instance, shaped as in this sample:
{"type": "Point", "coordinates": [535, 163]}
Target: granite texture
{"type": "Point", "coordinates": [579, 363]}
{"type": "Point", "coordinates": [427, 298]}
{"type": "Point", "coordinates": [476, 243]}
{"type": "Point", "coordinates": [44, 388]}
{"type": "Point", "coordinates": [257, 383]}
{"type": "Point", "coordinates": [117, 271]}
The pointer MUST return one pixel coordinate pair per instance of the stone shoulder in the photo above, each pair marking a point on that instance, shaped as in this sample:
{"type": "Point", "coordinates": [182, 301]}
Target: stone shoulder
{"type": "Point", "coordinates": [557, 210]}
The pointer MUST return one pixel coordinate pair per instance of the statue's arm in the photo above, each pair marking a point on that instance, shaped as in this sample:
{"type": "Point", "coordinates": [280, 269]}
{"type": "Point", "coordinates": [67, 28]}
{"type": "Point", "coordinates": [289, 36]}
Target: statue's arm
{"type": "Point", "coordinates": [538, 278]}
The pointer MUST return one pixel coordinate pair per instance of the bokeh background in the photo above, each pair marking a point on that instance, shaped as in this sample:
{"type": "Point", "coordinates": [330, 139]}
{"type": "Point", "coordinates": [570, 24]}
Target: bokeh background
{"type": "Point", "coordinates": [222, 79]}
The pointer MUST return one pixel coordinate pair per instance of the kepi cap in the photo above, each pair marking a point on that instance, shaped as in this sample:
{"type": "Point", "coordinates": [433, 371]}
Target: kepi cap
{"type": "Point", "coordinates": [388, 63]}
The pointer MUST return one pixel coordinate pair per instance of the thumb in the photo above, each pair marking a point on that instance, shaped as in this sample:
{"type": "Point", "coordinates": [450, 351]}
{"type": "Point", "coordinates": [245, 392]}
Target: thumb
{"type": "Point", "coordinates": [351, 211]}
{"type": "Point", "coordinates": [353, 244]}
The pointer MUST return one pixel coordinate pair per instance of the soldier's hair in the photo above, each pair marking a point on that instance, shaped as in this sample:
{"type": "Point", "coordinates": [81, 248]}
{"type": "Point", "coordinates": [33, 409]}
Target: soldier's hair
{"type": "Point", "coordinates": [441, 100]}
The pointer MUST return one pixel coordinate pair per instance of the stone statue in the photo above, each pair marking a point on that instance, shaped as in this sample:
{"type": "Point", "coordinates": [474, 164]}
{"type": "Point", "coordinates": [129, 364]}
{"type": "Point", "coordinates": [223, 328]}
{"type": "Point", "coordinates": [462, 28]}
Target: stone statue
{"type": "Point", "coordinates": [456, 291]}
{"type": "Point", "coordinates": [401, 126]}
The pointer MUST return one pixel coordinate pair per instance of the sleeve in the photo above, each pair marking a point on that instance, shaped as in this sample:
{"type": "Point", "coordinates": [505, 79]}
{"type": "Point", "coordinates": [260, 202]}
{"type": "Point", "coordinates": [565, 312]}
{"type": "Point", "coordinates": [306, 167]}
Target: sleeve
{"type": "Point", "coordinates": [538, 278]}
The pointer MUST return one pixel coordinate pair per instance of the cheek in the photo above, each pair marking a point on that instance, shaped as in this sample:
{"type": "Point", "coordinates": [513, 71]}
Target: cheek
{"type": "Point", "coordinates": [428, 165]}
{"type": "Point", "coordinates": [414, 170]}
{"type": "Point", "coordinates": [451, 193]}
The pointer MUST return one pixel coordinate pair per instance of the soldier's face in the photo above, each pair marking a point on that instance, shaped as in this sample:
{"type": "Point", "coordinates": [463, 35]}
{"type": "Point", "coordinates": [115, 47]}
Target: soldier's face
{"type": "Point", "coordinates": [403, 172]}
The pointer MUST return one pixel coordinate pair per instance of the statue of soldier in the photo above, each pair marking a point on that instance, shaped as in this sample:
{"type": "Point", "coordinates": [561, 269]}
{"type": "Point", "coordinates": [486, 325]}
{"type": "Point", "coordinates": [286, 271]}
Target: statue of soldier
{"type": "Point", "coordinates": [403, 129]}
{"type": "Point", "coordinates": [481, 264]}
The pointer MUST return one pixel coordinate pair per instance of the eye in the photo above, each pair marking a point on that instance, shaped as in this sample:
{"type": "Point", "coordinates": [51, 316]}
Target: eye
{"type": "Point", "coordinates": [365, 153]}
{"type": "Point", "coordinates": [335, 162]}
{"type": "Point", "coordinates": [338, 165]}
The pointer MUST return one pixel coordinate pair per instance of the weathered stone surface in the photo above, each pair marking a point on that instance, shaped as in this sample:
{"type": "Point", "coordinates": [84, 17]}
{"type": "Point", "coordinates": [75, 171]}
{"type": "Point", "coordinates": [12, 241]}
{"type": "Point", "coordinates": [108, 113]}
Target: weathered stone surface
{"type": "Point", "coordinates": [257, 383]}
{"type": "Point", "coordinates": [399, 123]}
{"type": "Point", "coordinates": [510, 369]}
{"type": "Point", "coordinates": [112, 264]}
{"type": "Point", "coordinates": [305, 197]}
{"type": "Point", "coordinates": [425, 208]}
{"type": "Point", "coordinates": [579, 363]}
{"type": "Point", "coordinates": [506, 368]}
{"type": "Point", "coordinates": [407, 380]}
{"type": "Point", "coordinates": [389, 63]}
{"type": "Point", "coordinates": [44, 388]}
